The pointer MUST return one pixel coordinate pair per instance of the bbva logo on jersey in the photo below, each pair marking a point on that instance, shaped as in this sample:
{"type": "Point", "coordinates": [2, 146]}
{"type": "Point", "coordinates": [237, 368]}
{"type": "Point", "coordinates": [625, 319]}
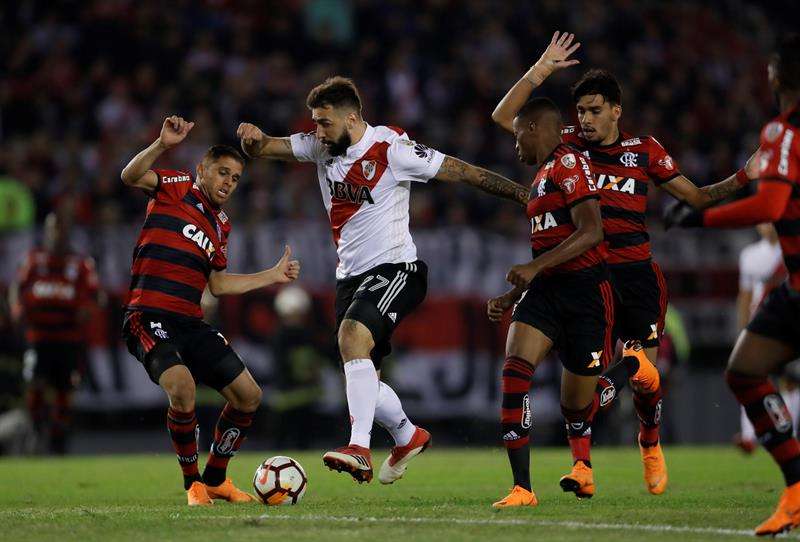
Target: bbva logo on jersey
{"type": "Point", "coordinates": [349, 192]}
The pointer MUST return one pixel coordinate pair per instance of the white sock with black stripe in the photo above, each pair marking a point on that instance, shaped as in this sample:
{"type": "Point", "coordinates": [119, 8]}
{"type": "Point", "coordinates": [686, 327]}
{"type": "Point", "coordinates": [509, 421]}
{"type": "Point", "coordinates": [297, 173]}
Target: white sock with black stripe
{"type": "Point", "coordinates": [362, 397]}
{"type": "Point", "coordinates": [390, 415]}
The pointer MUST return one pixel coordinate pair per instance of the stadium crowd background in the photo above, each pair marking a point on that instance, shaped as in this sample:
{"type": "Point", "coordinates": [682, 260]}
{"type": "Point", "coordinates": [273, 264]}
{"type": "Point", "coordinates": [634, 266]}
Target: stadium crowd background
{"type": "Point", "coordinates": [86, 85]}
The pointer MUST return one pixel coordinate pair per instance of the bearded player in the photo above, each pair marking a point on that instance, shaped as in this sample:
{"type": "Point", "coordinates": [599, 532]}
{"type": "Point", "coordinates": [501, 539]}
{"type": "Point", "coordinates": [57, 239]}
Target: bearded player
{"type": "Point", "coordinates": [625, 167]}
{"type": "Point", "coordinates": [181, 250]}
{"type": "Point", "coordinates": [365, 175]}
{"type": "Point", "coordinates": [771, 339]}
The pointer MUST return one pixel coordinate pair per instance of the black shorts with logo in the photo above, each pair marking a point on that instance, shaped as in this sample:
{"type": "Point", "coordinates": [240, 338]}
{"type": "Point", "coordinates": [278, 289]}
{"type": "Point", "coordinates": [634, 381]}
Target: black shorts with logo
{"type": "Point", "coordinates": [575, 310]}
{"type": "Point", "coordinates": [161, 340]}
{"type": "Point", "coordinates": [778, 316]}
{"type": "Point", "coordinates": [641, 302]}
{"type": "Point", "coordinates": [59, 365]}
{"type": "Point", "coordinates": [380, 298]}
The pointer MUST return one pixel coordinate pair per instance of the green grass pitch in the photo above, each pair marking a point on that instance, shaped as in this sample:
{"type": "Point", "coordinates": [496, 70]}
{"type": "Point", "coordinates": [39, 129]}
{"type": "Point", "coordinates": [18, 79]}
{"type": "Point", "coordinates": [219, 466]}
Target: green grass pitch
{"type": "Point", "coordinates": [714, 494]}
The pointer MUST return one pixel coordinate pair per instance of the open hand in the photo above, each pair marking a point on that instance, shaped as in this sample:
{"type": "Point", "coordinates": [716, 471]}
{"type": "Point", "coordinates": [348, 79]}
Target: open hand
{"type": "Point", "coordinates": [174, 130]}
{"type": "Point", "coordinates": [286, 270]}
{"type": "Point", "coordinates": [556, 56]}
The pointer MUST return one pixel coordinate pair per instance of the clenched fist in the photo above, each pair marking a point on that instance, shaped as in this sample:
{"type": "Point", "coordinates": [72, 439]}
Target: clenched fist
{"type": "Point", "coordinates": [174, 130]}
{"type": "Point", "coordinates": [249, 133]}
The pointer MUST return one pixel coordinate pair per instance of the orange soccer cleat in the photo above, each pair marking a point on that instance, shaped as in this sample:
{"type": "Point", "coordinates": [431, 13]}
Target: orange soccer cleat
{"type": "Point", "coordinates": [579, 481]}
{"type": "Point", "coordinates": [352, 459]}
{"type": "Point", "coordinates": [229, 492]}
{"type": "Point", "coordinates": [786, 516]}
{"type": "Point", "coordinates": [197, 495]}
{"type": "Point", "coordinates": [395, 465]}
{"type": "Point", "coordinates": [519, 496]}
{"type": "Point", "coordinates": [646, 379]}
{"type": "Point", "coordinates": [655, 469]}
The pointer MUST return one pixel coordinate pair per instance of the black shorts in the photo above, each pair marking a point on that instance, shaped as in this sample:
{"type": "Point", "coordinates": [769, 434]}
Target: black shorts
{"type": "Point", "coordinates": [576, 312]}
{"type": "Point", "coordinates": [778, 316]}
{"type": "Point", "coordinates": [160, 341]}
{"type": "Point", "coordinates": [59, 365]}
{"type": "Point", "coordinates": [641, 302]}
{"type": "Point", "coordinates": [380, 299]}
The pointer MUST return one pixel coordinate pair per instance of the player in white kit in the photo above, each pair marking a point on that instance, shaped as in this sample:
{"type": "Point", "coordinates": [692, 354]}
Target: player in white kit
{"type": "Point", "coordinates": [761, 270]}
{"type": "Point", "coordinates": [365, 174]}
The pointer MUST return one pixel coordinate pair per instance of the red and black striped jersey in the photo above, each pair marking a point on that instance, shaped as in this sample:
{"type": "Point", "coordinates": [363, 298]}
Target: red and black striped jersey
{"type": "Point", "coordinates": [779, 160]}
{"type": "Point", "coordinates": [184, 238]}
{"type": "Point", "coordinates": [563, 181]}
{"type": "Point", "coordinates": [623, 173]}
{"type": "Point", "coordinates": [53, 291]}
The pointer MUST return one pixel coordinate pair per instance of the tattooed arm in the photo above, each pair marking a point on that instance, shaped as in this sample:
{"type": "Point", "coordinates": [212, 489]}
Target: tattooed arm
{"type": "Point", "coordinates": [256, 144]}
{"type": "Point", "coordinates": [686, 191]}
{"type": "Point", "coordinates": [455, 170]}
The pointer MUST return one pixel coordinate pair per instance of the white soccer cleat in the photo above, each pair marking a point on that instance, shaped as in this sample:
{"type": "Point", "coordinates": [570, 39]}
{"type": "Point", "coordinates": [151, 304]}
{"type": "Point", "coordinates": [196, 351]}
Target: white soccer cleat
{"type": "Point", "coordinates": [395, 465]}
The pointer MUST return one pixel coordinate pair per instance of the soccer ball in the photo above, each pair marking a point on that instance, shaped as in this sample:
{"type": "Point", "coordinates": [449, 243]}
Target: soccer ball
{"type": "Point", "coordinates": [280, 480]}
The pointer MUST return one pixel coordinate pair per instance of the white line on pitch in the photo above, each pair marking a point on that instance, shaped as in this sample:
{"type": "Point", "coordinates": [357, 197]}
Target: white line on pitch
{"type": "Point", "coordinates": [501, 522]}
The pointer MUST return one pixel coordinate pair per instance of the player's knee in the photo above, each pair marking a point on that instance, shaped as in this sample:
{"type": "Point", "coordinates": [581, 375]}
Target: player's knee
{"type": "Point", "coordinates": [180, 389]}
{"type": "Point", "coordinates": [355, 340]}
{"type": "Point", "coordinates": [249, 399]}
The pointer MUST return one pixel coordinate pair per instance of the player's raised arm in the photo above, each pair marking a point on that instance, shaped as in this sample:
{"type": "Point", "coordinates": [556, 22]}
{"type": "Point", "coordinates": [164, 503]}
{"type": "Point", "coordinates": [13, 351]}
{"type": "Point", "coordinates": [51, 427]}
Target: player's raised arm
{"type": "Point", "coordinates": [588, 233]}
{"type": "Point", "coordinates": [138, 173]}
{"type": "Point", "coordinates": [455, 170]}
{"type": "Point", "coordinates": [257, 144]}
{"type": "Point", "coordinates": [554, 58]}
{"type": "Point", "coordinates": [224, 283]}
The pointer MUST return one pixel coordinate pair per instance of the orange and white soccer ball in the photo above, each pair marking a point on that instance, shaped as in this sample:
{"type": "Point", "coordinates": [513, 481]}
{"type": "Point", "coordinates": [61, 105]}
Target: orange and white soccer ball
{"type": "Point", "coordinates": [280, 480]}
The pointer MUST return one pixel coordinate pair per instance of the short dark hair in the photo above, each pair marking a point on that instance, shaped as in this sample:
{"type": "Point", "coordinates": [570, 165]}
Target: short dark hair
{"type": "Point", "coordinates": [216, 152]}
{"type": "Point", "coordinates": [597, 81]}
{"type": "Point", "coordinates": [536, 107]}
{"type": "Point", "coordinates": [787, 62]}
{"type": "Point", "coordinates": [335, 91]}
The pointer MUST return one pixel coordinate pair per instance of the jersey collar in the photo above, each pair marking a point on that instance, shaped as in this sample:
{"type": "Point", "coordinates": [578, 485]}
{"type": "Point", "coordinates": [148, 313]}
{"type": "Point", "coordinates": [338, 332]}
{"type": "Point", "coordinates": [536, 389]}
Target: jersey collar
{"type": "Point", "coordinates": [364, 143]}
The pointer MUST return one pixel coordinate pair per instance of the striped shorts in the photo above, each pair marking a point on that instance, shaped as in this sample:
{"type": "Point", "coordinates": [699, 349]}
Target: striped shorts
{"type": "Point", "coordinates": [394, 289]}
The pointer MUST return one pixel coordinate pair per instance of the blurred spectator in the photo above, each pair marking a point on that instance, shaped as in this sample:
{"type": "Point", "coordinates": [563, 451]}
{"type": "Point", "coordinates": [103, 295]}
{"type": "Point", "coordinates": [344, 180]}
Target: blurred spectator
{"type": "Point", "coordinates": [299, 358]}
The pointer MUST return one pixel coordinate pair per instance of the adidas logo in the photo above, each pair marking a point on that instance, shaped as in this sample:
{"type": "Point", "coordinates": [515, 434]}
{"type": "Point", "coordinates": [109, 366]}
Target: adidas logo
{"type": "Point", "coordinates": [393, 316]}
{"type": "Point", "coordinates": [511, 435]}
{"type": "Point", "coordinates": [200, 207]}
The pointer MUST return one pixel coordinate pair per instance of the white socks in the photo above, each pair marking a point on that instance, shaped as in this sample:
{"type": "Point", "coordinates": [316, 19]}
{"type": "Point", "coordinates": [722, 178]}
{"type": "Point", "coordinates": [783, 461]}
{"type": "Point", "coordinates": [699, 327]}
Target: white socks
{"type": "Point", "coordinates": [389, 413]}
{"type": "Point", "coordinates": [362, 397]}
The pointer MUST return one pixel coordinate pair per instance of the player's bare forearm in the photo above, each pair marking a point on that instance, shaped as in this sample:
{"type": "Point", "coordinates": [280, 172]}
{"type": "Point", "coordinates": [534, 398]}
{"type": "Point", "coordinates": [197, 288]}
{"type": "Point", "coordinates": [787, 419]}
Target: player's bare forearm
{"type": "Point", "coordinates": [588, 233]}
{"type": "Point", "coordinates": [508, 107]}
{"type": "Point", "coordinates": [721, 190]}
{"type": "Point", "coordinates": [135, 173]}
{"type": "Point", "coordinates": [455, 170]}
{"type": "Point", "coordinates": [257, 144]}
{"type": "Point", "coordinates": [221, 283]}
{"type": "Point", "coordinates": [271, 148]}
{"type": "Point", "coordinates": [555, 57]}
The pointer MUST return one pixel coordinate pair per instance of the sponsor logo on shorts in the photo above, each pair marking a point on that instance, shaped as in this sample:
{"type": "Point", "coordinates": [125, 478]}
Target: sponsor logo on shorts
{"type": "Point", "coordinates": [596, 356]}
{"type": "Point", "coordinates": [653, 332]}
{"type": "Point", "coordinates": [227, 441]}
